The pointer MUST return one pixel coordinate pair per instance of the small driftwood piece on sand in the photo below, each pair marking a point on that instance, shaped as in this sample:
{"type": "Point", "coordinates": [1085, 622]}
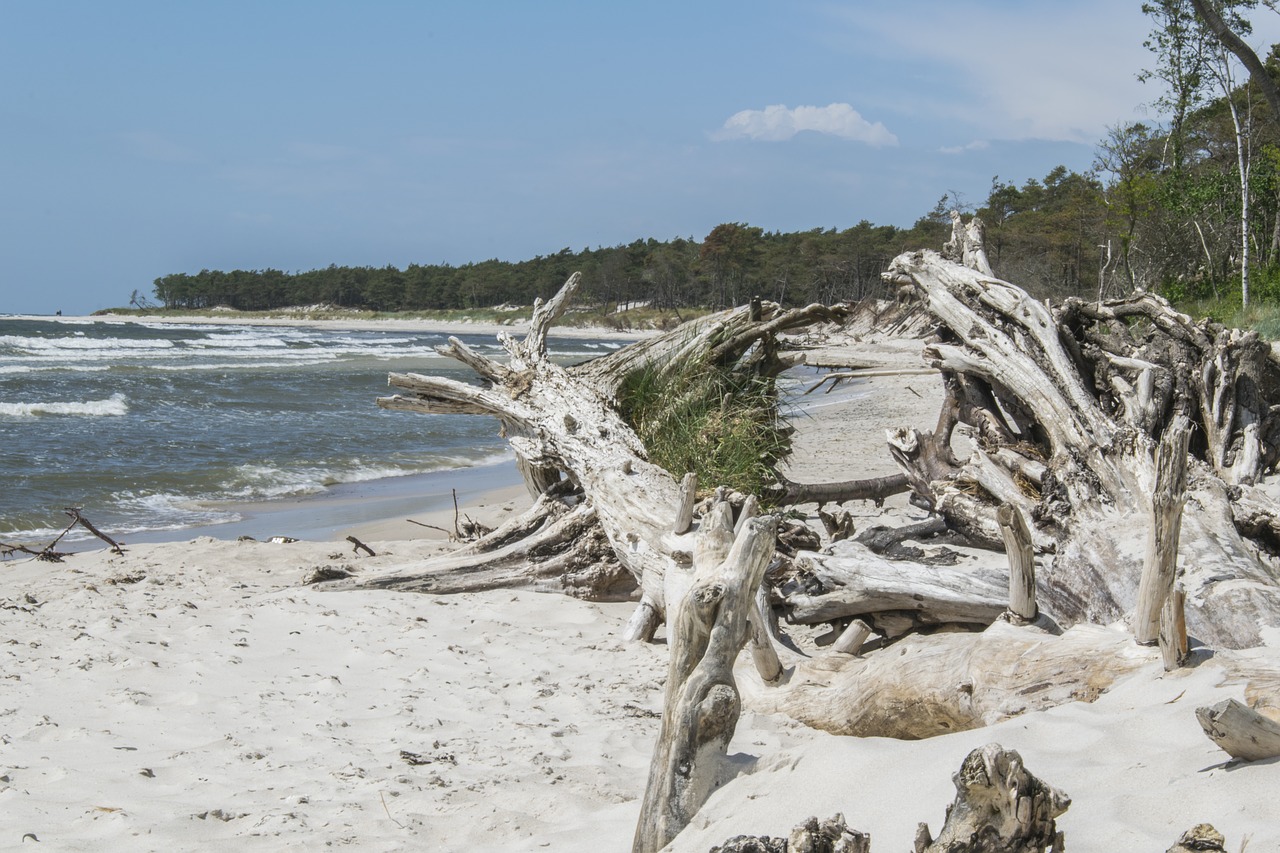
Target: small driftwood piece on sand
{"type": "Point", "coordinates": [1201, 838]}
{"type": "Point", "coordinates": [1241, 731]}
{"type": "Point", "coordinates": [359, 546]}
{"type": "Point", "coordinates": [1000, 807]}
{"type": "Point", "coordinates": [709, 629]}
{"type": "Point", "coordinates": [49, 553]}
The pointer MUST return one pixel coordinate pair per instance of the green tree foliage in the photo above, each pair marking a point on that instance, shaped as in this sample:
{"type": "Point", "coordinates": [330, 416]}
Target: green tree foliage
{"type": "Point", "coordinates": [1163, 208]}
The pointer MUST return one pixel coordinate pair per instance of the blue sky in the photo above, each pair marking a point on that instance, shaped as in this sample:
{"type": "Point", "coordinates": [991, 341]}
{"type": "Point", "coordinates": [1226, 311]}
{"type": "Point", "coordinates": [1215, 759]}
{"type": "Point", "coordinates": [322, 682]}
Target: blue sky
{"type": "Point", "coordinates": [140, 139]}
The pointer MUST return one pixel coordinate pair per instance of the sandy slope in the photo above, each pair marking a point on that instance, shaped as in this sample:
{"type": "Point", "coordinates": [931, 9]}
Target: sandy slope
{"type": "Point", "coordinates": [193, 695]}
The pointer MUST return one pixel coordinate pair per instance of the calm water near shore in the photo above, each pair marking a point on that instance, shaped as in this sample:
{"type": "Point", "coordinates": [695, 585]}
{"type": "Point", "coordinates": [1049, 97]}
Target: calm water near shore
{"type": "Point", "coordinates": [152, 428]}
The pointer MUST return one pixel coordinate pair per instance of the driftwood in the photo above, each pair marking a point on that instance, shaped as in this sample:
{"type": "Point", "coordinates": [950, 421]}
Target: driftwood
{"type": "Point", "coordinates": [852, 580]}
{"type": "Point", "coordinates": [564, 428]}
{"type": "Point", "coordinates": [1241, 731]}
{"type": "Point", "coordinates": [1022, 564]}
{"type": "Point", "coordinates": [1201, 838]}
{"type": "Point", "coordinates": [702, 703]}
{"type": "Point", "coordinates": [1067, 405]}
{"type": "Point", "coordinates": [50, 553]}
{"type": "Point", "coordinates": [810, 836]}
{"type": "Point", "coordinates": [1000, 807]}
{"type": "Point", "coordinates": [926, 685]}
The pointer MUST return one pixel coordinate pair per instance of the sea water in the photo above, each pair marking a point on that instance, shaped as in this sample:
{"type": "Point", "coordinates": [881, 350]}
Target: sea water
{"type": "Point", "coordinates": [150, 427]}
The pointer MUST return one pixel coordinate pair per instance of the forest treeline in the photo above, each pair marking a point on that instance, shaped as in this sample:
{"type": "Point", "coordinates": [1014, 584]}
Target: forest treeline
{"type": "Point", "coordinates": [1188, 206]}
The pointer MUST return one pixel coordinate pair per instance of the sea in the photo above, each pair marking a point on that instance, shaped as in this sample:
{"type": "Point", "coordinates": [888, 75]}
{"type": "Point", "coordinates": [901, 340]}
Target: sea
{"type": "Point", "coordinates": [162, 430]}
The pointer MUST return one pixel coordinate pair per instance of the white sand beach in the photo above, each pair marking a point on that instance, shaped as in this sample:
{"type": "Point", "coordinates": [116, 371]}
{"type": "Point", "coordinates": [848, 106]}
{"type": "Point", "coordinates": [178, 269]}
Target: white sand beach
{"type": "Point", "coordinates": [195, 695]}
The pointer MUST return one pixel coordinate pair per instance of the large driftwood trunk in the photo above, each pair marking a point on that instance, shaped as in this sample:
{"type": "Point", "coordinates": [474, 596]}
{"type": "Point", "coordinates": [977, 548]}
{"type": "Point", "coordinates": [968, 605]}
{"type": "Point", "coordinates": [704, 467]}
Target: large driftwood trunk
{"type": "Point", "coordinates": [563, 423]}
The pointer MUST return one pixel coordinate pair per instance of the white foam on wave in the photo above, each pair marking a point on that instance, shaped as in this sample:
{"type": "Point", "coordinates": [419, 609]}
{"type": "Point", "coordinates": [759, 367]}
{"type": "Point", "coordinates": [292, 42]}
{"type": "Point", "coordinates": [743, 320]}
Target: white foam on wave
{"type": "Point", "coordinates": [114, 406]}
{"type": "Point", "coordinates": [79, 343]}
{"type": "Point", "coordinates": [264, 482]}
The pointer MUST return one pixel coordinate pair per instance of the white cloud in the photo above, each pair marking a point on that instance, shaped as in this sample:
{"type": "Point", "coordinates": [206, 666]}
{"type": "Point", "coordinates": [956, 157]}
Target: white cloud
{"type": "Point", "coordinates": [975, 145]}
{"type": "Point", "coordinates": [777, 123]}
{"type": "Point", "coordinates": [1016, 69]}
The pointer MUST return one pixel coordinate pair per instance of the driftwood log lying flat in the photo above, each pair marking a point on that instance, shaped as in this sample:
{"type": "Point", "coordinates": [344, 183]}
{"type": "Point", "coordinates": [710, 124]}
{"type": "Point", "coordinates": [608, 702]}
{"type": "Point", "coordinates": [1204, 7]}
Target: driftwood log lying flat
{"type": "Point", "coordinates": [928, 685]}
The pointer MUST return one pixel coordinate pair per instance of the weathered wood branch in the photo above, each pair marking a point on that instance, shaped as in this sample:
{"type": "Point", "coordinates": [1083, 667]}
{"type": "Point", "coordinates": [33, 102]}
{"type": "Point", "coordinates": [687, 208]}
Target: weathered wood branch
{"type": "Point", "coordinates": [869, 489]}
{"type": "Point", "coordinates": [1022, 563]}
{"type": "Point", "coordinates": [852, 580]}
{"type": "Point", "coordinates": [702, 702]}
{"type": "Point", "coordinates": [1160, 566]}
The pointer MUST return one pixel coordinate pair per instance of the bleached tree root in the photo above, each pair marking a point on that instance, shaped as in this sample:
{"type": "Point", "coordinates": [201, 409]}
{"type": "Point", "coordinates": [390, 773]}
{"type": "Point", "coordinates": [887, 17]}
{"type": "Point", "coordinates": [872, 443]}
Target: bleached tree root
{"type": "Point", "coordinates": [565, 429]}
{"type": "Point", "coordinates": [1067, 405]}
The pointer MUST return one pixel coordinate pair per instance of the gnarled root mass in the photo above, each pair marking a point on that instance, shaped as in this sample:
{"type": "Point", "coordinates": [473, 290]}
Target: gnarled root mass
{"type": "Point", "coordinates": [1000, 807]}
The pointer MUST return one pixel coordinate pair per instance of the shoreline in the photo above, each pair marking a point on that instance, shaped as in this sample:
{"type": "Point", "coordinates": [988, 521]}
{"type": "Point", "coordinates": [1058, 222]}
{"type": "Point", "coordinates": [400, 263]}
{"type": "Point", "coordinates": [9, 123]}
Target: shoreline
{"type": "Point", "coordinates": [389, 324]}
{"type": "Point", "coordinates": [369, 510]}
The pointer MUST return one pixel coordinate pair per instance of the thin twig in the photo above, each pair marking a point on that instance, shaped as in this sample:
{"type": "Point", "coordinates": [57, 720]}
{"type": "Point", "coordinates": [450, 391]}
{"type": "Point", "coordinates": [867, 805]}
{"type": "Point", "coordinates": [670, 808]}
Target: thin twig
{"type": "Point", "coordinates": [383, 797]}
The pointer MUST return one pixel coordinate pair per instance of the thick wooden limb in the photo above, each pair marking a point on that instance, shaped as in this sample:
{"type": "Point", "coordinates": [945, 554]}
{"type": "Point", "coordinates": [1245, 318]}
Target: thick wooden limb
{"type": "Point", "coordinates": [1241, 731]}
{"type": "Point", "coordinates": [854, 581]}
{"type": "Point", "coordinates": [702, 702]}
{"type": "Point", "coordinates": [1173, 630]}
{"type": "Point", "coordinates": [999, 807]}
{"type": "Point", "coordinates": [721, 338]}
{"type": "Point", "coordinates": [870, 489]}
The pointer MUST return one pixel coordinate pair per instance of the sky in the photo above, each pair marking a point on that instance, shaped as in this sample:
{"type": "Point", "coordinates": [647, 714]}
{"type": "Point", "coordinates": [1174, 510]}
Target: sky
{"type": "Point", "coordinates": [139, 139]}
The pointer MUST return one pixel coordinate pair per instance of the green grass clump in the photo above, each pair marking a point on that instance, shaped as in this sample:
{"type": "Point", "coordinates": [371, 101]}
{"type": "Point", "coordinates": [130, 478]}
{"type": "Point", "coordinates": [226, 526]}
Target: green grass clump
{"type": "Point", "coordinates": [726, 428]}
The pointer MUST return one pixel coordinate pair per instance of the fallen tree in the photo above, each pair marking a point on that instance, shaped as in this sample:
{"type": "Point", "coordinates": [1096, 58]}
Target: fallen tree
{"type": "Point", "coordinates": [564, 425]}
{"type": "Point", "coordinates": [1065, 406]}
